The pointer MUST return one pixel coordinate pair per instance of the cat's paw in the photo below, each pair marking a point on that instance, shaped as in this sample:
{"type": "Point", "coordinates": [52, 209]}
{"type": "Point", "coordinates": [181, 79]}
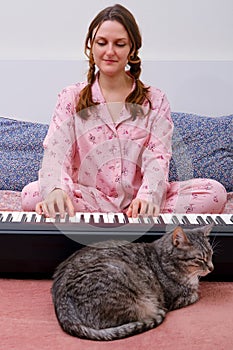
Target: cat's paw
{"type": "Point", "coordinates": [160, 316]}
{"type": "Point", "coordinates": [194, 298]}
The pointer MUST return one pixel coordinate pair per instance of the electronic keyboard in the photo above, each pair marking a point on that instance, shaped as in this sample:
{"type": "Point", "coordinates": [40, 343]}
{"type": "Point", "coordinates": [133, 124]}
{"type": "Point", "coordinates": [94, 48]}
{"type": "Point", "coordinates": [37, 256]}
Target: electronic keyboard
{"type": "Point", "coordinates": [32, 245]}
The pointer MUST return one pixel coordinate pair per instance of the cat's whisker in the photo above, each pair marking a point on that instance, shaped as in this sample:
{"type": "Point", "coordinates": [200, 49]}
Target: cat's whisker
{"type": "Point", "coordinates": [218, 246]}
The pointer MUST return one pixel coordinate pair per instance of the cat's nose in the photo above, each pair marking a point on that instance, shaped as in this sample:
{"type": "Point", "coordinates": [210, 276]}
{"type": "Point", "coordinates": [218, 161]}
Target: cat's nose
{"type": "Point", "coordinates": [210, 267]}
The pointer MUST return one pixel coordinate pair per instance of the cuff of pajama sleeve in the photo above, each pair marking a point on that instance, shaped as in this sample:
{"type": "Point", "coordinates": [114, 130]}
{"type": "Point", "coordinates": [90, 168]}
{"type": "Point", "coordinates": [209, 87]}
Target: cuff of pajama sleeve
{"type": "Point", "coordinates": [45, 190]}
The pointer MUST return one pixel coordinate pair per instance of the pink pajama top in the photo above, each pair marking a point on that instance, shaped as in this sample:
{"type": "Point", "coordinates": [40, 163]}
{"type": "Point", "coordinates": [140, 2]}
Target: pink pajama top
{"type": "Point", "coordinates": [110, 163]}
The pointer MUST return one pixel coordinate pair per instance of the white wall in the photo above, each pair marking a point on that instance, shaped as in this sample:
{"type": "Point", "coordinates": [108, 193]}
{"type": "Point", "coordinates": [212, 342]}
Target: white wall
{"type": "Point", "coordinates": [187, 51]}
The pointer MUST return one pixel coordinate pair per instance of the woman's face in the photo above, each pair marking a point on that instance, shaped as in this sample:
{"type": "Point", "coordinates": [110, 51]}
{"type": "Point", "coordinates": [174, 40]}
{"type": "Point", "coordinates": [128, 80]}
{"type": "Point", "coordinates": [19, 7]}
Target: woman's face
{"type": "Point", "coordinates": [111, 48]}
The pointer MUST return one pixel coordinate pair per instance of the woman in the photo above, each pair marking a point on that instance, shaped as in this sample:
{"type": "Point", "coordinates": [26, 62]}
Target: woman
{"type": "Point", "coordinates": [109, 143]}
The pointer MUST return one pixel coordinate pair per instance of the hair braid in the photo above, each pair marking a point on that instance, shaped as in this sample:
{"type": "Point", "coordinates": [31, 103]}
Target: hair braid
{"type": "Point", "coordinates": [85, 96]}
{"type": "Point", "coordinates": [140, 93]}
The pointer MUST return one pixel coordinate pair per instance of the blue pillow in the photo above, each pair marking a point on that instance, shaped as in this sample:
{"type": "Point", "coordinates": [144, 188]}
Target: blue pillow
{"type": "Point", "coordinates": [202, 147]}
{"type": "Point", "coordinates": [21, 151]}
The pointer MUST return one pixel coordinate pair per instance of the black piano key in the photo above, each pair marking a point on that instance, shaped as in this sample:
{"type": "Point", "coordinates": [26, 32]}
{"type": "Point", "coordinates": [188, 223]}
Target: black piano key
{"type": "Point", "coordinates": [231, 218]}
{"type": "Point", "coordinates": [1, 217]}
{"type": "Point", "coordinates": [101, 219]}
{"type": "Point", "coordinates": [57, 218]}
{"type": "Point", "coordinates": [82, 219]}
{"type": "Point", "coordinates": [200, 220]}
{"type": "Point", "coordinates": [9, 218]}
{"type": "Point", "coordinates": [43, 218]}
{"type": "Point", "coordinates": [161, 221]}
{"type": "Point", "coordinates": [210, 220]}
{"type": "Point", "coordinates": [24, 218]}
{"type": "Point", "coordinates": [149, 218]}
{"type": "Point", "coordinates": [33, 218]}
{"type": "Point", "coordinates": [185, 220]}
{"type": "Point", "coordinates": [91, 219]}
{"type": "Point", "coordinates": [175, 220]}
{"type": "Point", "coordinates": [220, 220]}
{"type": "Point", "coordinates": [126, 220]}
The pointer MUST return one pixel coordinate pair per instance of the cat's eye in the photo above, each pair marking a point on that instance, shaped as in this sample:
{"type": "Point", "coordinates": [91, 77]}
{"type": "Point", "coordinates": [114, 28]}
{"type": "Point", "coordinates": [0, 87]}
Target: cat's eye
{"type": "Point", "coordinates": [202, 261]}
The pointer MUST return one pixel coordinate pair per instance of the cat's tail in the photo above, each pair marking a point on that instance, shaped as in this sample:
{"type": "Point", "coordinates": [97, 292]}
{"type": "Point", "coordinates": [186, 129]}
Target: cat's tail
{"type": "Point", "coordinates": [107, 334]}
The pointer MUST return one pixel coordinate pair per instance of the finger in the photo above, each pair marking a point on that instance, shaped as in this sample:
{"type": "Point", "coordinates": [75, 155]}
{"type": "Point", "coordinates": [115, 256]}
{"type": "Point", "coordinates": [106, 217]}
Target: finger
{"type": "Point", "coordinates": [143, 208]}
{"type": "Point", "coordinates": [69, 207]}
{"type": "Point", "coordinates": [135, 208]}
{"type": "Point", "coordinates": [45, 210]}
{"type": "Point", "coordinates": [39, 208]}
{"type": "Point", "coordinates": [151, 209]}
{"type": "Point", "coordinates": [129, 211]}
{"type": "Point", "coordinates": [156, 210]}
{"type": "Point", "coordinates": [61, 206]}
{"type": "Point", "coordinates": [49, 209]}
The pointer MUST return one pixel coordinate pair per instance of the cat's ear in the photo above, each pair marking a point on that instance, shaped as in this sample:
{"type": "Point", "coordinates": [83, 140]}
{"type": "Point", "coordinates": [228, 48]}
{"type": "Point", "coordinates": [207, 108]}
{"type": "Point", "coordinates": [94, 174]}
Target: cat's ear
{"type": "Point", "coordinates": [207, 229]}
{"type": "Point", "coordinates": [179, 237]}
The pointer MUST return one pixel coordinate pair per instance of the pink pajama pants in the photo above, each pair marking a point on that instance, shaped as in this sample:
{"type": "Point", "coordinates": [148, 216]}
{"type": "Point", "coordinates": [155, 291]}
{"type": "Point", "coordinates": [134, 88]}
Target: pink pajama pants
{"type": "Point", "coordinates": [198, 196]}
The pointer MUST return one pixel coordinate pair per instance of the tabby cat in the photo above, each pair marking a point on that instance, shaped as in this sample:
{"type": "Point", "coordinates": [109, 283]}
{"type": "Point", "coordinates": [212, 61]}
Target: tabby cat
{"type": "Point", "coordinates": [116, 289]}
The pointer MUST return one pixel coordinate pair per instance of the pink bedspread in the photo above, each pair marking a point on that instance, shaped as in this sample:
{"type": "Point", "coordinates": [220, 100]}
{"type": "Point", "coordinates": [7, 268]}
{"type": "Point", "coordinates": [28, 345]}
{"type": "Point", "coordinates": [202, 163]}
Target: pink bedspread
{"type": "Point", "coordinates": [11, 201]}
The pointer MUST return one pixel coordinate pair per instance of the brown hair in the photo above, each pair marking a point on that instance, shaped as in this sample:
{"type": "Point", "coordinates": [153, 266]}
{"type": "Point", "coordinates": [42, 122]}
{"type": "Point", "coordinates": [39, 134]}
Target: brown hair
{"type": "Point", "coordinates": [123, 16]}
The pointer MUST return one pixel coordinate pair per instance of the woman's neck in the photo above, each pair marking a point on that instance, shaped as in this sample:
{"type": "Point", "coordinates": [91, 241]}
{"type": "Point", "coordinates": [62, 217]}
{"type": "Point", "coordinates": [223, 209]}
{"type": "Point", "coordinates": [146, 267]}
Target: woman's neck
{"type": "Point", "coordinates": [115, 89]}
{"type": "Point", "coordinates": [122, 81]}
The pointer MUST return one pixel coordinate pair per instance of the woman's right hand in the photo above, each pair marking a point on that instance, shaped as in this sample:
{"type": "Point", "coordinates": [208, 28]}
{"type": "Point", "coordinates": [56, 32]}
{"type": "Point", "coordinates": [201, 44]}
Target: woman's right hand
{"type": "Point", "coordinates": [57, 202]}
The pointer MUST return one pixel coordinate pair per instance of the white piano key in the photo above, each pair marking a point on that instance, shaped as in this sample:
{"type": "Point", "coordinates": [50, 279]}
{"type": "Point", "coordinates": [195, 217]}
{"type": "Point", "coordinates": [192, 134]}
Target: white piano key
{"type": "Point", "coordinates": [167, 218]}
{"type": "Point", "coordinates": [16, 216]}
{"type": "Point", "coordinates": [134, 220]}
{"type": "Point", "coordinates": [36, 217]}
{"type": "Point", "coordinates": [226, 218]}
{"type": "Point", "coordinates": [111, 217]}
{"type": "Point", "coordinates": [121, 218]}
{"type": "Point", "coordinates": [105, 217]}
{"type": "Point", "coordinates": [155, 219]}
{"type": "Point", "coordinates": [87, 217]}
{"type": "Point", "coordinates": [5, 215]}
{"type": "Point", "coordinates": [96, 217]}
{"type": "Point", "coordinates": [146, 220]}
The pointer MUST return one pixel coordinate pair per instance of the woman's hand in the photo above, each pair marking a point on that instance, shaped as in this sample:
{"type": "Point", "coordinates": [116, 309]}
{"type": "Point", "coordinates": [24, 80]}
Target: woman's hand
{"type": "Point", "coordinates": [57, 201]}
{"type": "Point", "coordinates": [141, 207]}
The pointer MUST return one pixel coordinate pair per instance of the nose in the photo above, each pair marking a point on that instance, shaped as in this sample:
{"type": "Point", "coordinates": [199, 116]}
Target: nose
{"type": "Point", "coordinates": [110, 49]}
{"type": "Point", "coordinates": [210, 267]}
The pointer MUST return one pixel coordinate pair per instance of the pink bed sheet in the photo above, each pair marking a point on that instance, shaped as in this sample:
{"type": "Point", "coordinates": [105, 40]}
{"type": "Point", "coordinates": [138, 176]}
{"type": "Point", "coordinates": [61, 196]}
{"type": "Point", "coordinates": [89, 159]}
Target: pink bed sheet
{"type": "Point", "coordinates": [11, 201]}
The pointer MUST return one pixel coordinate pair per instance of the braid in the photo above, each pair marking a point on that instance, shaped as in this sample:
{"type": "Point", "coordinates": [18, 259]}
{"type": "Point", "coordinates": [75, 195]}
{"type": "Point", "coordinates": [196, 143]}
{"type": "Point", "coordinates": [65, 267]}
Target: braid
{"type": "Point", "coordinates": [91, 72]}
{"type": "Point", "coordinates": [140, 93]}
{"type": "Point", "coordinates": [85, 96]}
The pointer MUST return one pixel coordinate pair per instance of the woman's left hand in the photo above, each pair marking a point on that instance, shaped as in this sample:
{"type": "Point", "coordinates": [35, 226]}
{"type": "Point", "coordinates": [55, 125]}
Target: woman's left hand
{"type": "Point", "coordinates": [142, 207]}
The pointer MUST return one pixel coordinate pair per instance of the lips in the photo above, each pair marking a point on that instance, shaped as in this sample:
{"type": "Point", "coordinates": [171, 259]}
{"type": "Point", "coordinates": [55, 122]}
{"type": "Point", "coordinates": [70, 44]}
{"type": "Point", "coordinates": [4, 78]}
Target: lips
{"type": "Point", "coordinates": [110, 61]}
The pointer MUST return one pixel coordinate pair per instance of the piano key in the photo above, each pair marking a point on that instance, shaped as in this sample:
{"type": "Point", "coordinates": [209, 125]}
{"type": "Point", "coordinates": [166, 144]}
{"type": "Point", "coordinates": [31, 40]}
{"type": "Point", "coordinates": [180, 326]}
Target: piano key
{"type": "Point", "coordinates": [220, 220]}
{"type": "Point", "coordinates": [122, 218]}
{"type": "Point", "coordinates": [175, 220]}
{"type": "Point", "coordinates": [105, 218]}
{"type": "Point", "coordinates": [4, 216]}
{"type": "Point", "coordinates": [145, 219]}
{"type": "Point", "coordinates": [160, 220]}
{"type": "Point", "coordinates": [119, 219]}
{"type": "Point", "coordinates": [111, 217]}
{"type": "Point", "coordinates": [167, 218]}
{"type": "Point", "coordinates": [134, 220]}
{"type": "Point", "coordinates": [210, 219]}
{"type": "Point", "coordinates": [96, 217]}
{"type": "Point", "coordinates": [200, 220]}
